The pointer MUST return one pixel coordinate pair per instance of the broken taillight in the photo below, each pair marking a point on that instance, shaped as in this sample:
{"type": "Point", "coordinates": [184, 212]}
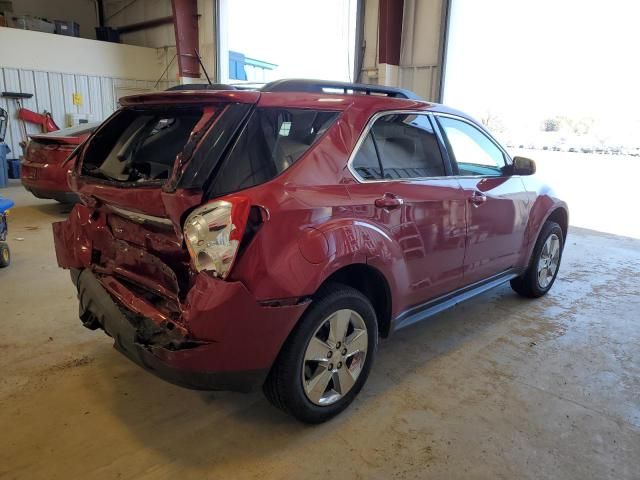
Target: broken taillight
{"type": "Point", "coordinates": [213, 233]}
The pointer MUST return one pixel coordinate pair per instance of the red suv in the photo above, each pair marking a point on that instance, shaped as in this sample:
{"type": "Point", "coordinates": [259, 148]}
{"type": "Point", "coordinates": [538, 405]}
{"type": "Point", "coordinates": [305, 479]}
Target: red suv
{"type": "Point", "coordinates": [230, 239]}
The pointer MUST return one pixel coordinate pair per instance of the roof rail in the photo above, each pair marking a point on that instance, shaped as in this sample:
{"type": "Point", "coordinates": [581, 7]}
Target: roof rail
{"type": "Point", "coordinates": [321, 86]}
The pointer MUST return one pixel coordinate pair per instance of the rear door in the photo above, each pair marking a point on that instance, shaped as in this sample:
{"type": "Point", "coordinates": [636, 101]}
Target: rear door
{"type": "Point", "coordinates": [496, 202]}
{"type": "Point", "coordinates": [406, 188]}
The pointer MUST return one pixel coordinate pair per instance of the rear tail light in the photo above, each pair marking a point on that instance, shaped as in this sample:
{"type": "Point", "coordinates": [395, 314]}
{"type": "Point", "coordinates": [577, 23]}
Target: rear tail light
{"type": "Point", "coordinates": [213, 233]}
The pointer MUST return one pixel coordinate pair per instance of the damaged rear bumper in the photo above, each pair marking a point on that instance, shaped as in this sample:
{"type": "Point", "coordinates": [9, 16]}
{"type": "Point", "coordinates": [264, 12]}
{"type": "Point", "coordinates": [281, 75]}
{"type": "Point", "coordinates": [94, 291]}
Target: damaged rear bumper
{"type": "Point", "coordinates": [249, 335]}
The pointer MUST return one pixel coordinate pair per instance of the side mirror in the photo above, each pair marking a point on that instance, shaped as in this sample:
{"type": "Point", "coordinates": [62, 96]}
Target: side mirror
{"type": "Point", "coordinates": [523, 166]}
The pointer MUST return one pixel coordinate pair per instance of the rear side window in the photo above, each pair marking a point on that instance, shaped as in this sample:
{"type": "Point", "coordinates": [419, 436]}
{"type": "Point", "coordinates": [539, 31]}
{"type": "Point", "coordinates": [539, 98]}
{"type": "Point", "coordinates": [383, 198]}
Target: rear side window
{"type": "Point", "coordinates": [272, 140]}
{"type": "Point", "coordinates": [400, 146]}
{"type": "Point", "coordinates": [139, 145]}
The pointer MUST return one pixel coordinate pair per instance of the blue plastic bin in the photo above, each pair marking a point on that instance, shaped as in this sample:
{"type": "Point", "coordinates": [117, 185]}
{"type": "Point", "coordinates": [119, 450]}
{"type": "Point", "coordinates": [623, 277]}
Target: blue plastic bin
{"type": "Point", "coordinates": [4, 174]}
{"type": "Point", "coordinates": [14, 168]}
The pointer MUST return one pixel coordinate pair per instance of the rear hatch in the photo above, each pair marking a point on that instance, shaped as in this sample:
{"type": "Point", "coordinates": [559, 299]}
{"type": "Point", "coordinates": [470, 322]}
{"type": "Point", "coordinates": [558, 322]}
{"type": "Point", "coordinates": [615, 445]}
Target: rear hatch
{"type": "Point", "coordinates": [143, 172]}
{"type": "Point", "coordinates": [137, 176]}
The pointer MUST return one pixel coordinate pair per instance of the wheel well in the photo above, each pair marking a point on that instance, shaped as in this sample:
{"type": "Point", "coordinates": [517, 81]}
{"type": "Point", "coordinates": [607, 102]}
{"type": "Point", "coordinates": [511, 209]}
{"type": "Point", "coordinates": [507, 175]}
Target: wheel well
{"type": "Point", "coordinates": [373, 285]}
{"type": "Point", "coordinates": [561, 217]}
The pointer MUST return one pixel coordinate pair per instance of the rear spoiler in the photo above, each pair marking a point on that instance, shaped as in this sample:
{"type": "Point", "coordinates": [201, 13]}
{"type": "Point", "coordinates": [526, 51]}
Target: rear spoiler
{"type": "Point", "coordinates": [180, 96]}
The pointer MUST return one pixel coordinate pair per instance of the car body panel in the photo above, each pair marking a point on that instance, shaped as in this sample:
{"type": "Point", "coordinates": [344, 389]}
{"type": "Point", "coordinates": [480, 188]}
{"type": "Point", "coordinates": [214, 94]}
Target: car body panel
{"type": "Point", "coordinates": [495, 228]}
{"type": "Point", "coordinates": [429, 230]}
{"type": "Point", "coordinates": [544, 203]}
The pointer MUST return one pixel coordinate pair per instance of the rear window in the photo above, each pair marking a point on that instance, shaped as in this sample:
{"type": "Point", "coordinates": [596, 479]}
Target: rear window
{"type": "Point", "coordinates": [140, 145]}
{"type": "Point", "coordinates": [272, 140]}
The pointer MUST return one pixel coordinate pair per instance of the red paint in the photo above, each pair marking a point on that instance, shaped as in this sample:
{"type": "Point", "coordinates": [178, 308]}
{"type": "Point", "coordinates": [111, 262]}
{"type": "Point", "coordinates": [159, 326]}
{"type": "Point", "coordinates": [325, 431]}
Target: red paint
{"type": "Point", "coordinates": [190, 97]}
{"type": "Point", "coordinates": [317, 218]}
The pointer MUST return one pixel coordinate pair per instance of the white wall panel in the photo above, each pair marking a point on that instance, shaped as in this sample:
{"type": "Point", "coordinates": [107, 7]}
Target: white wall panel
{"type": "Point", "coordinates": [56, 97]}
{"type": "Point", "coordinates": [27, 85]}
{"type": "Point", "coordinates": [12, 84]}
{"type": "Point", "coordinates": [68, 89]}
{"type": "Point", "coordinates": [42, 91]}
{"type": "Point", "coordinates": [82, 87]}
{"type": "Point", "coordinates": [94, 98]}
{"type": "Point", "coordinates": [108, 97]}
{"type": "Point", "coordinates": [54, 91]}
{"type": "Point", "coordinates": [31, 50]}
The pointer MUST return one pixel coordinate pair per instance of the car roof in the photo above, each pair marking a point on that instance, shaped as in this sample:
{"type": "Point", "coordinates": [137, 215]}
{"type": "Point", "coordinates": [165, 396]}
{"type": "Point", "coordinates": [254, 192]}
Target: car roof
{"type": "Point", "coordinates": [378, 97]}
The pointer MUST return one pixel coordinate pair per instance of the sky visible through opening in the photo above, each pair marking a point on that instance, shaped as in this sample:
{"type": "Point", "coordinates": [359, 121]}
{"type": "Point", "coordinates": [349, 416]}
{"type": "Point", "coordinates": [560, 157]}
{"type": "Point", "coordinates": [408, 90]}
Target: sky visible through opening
{"type": "Point", "coordinates": [305, 38]}
{"type": "Point", "coordinates": [516, 63]}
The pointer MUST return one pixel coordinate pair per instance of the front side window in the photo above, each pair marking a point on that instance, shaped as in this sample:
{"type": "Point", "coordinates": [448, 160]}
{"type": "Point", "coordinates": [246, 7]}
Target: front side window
{"type": "Point", "coordinates": [400, 146]}
{"type": "Point", "coordinates": [474, 152]}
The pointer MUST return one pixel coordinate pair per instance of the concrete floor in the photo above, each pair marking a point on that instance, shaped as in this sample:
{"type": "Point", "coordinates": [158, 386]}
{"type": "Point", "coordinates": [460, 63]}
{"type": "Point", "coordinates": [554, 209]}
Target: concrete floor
{"type": "Point", "coordinates": [499, 387]}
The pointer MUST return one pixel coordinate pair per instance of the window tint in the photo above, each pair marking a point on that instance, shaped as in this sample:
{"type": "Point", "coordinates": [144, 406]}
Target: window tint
{"type": "Point", "coordinates": [474, 152]}
{"type": "Point", "coordinates": [272, 140]}
{"type": "Point", "coordinates": [400, 146]}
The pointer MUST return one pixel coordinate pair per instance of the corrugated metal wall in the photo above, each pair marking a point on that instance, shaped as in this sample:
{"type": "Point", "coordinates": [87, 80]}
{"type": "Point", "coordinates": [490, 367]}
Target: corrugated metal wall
{"type": "Point", "coordinates": [54, 91]}
{"type": "Point", "coordinates": [421, 79]}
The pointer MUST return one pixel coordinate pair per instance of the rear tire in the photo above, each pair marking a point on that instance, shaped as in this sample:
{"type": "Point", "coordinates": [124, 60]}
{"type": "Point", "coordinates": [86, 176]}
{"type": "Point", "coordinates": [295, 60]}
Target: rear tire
{"type": "Point", "coordinates": [5, 255]}
{"type": "Point", "coordinates": [543, 268]}
{"type": "Point", "coordinates": [321, 349]}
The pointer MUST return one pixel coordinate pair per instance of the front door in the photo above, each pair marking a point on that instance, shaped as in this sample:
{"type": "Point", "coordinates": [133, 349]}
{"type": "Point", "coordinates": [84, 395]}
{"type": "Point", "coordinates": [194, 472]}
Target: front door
{"type": "Point", "coordinates": [496, 203]}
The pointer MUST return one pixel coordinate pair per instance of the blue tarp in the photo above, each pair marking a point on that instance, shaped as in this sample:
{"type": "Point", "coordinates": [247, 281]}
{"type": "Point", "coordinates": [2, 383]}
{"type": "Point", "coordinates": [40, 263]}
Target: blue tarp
{"type": "Point", "coordinates": [5, 204]}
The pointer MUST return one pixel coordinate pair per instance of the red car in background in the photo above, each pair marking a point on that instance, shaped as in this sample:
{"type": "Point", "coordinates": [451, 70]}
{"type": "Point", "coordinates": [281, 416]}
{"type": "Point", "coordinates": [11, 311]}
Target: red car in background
{"type": "Point", "coordinates": [44, 170]}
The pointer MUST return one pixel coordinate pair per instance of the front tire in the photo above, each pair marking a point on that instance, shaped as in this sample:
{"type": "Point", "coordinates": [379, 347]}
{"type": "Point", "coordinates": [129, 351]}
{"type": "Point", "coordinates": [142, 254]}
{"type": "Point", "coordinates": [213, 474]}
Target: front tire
{"type": "Point", "coordinates": [327, 358]}
{"type": "Point", "coordinates": [543, 268]}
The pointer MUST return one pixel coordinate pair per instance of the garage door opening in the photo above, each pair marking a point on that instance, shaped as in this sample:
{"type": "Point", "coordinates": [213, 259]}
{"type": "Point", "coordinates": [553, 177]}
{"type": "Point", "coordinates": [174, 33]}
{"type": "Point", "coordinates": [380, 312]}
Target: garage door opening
{"type": "Point", "coordinates": [262, 41]}
{"type": "Point", "coordinates": [555, 82]}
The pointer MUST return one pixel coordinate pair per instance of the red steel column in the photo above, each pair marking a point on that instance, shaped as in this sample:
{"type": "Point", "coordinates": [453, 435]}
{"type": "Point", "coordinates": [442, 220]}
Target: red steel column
{"type": "Point", "coordinates": [390, 31]}
{"type": "Point", "coordinates": [185, 23]}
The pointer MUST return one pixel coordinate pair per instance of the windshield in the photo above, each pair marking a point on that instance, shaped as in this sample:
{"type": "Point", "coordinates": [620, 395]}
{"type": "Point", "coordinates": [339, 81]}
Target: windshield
{"type": "Point", "coordinates": [139, 145]}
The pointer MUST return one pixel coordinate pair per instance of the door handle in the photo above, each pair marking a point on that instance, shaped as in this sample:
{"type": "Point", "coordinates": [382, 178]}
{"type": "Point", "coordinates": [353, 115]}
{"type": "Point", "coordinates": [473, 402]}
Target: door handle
{"type": "Point", "coordinates": [478, 198]}
{"type": "Point", "coordinates": [389, 201]}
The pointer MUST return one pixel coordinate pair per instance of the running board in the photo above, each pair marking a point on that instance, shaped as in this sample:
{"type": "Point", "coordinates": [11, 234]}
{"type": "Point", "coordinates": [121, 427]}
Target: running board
{"type": "Point", "coordinates": [433, 307]}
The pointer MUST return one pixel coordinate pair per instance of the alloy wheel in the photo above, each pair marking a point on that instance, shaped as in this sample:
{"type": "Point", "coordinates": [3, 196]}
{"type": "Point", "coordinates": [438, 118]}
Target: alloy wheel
{"type": "Point", "coordinates": [548, 261]}
{"type": "Point", "coordinates": [334, 357]}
